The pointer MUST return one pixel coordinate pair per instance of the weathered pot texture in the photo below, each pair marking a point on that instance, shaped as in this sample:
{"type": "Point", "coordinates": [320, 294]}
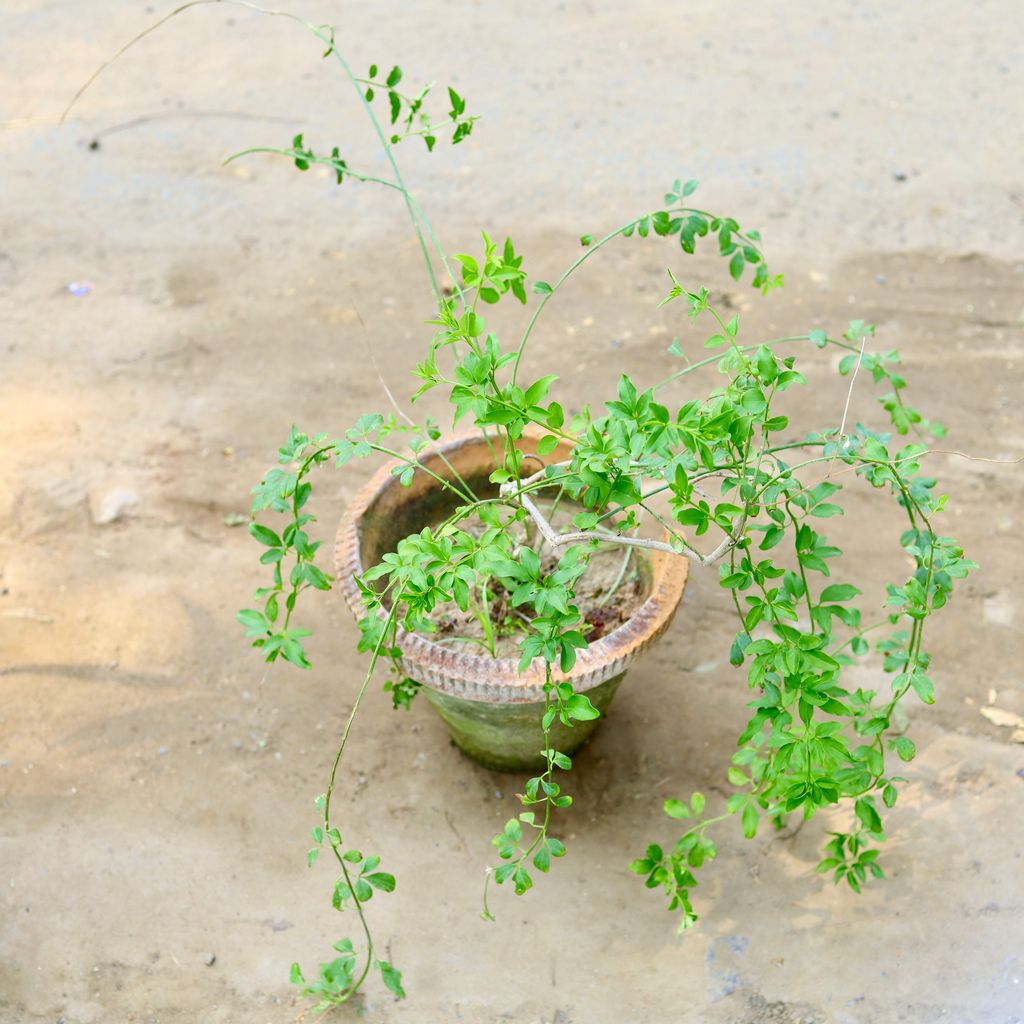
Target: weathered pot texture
{"type": "Point", "coordinates": [491, 709]}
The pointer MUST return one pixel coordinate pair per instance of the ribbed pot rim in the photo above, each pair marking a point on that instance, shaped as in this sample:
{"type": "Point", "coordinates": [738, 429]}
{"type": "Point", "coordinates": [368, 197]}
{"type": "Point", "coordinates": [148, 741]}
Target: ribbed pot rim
{"type": "Point", "coordinates": [498, 680]}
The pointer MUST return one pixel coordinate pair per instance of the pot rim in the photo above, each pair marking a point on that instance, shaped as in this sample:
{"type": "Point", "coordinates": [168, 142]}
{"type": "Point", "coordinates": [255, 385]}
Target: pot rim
{"type": "Point", "coordinates": [497, 680]}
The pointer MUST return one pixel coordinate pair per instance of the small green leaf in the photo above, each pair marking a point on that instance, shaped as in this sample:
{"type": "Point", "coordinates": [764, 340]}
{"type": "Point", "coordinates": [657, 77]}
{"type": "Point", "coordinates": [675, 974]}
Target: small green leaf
{"type": "Point", "coordinates": [580, 708]}
{"type": "Point", "coordinates": [382, 880]}
{"type": "Point", "coordinates": [542, 860]}
{"type": "Point", "coordinates": [391, 978]}
{"type": "Point", "coordinates": [749, 820]}
{"type": "Point", "coordinates": [265, 536]}
{"type": "Point", "coordinates": [923, 687]}
{"type": "Point", "coordinates": [905, 748]}
{"type": "Point", "coordinates": [676, 809]}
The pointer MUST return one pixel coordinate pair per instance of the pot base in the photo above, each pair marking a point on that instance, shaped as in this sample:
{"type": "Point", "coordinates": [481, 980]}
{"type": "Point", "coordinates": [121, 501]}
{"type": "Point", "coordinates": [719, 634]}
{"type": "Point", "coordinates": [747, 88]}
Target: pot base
{"type": "Point", "coordinates": [509, 737]}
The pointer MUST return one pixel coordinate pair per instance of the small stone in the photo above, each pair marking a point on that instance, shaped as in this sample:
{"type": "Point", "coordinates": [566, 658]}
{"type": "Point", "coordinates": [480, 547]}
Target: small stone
{"type": "Point", "coordinates": [899, 175]}
{"type": "Point", "coordinates": [107, 507]}
{"type": "Point", "coordinates": [210, 959]}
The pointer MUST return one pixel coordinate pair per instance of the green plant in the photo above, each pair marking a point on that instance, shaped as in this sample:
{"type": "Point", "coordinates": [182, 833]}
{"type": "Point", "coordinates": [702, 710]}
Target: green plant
{"type": "Point", "coordinates": [726, 464]}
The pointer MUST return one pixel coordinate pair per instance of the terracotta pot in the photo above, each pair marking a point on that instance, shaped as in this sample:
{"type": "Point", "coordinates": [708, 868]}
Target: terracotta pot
{"type": "Point", "coordinates": [492, 711]}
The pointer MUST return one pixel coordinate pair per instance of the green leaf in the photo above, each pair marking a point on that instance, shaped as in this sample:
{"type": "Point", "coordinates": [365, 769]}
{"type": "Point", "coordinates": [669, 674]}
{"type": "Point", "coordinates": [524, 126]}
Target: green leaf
{"type": "Point", "coordinates": [458, 103]}
{"type": "Point", "coordinates": [865, 810]}
{"type": "Point", "coordinates": [580, 708]}
{"type": "Point", "coordinates": [749, 820]}
{"type": "Point", "coordinates": [697, 803]}
{"type": "Point", "coordinates": [923, 687]}
{"type": "Point", "coordinates": [547, 444]}
{"type": "Point", "coordinates": [382, 880]}
{"type": "Point", "coordinates": [542, 288]}
{"type": "Point", "coordinates": [905, 748]}
{"type": "Point", "coordinates": [839, 592]}
{"type": "Point", "coordinates": [556, 847]}
{"type": "Point", "coordinates": [676, 809]}
{"type": "Point", "coordinates": [293, 651]}
{"type": "Point", "coordinates": [739, 644]}
{"type": "Point", "coordinates": [255, 623]}
{"type": "Point", "coordinates": [585, 520]}
{"type": "Point", "coordinates": [391, 978]}
{"type": "Point", "coordinates": [265, 536]}
{"type": "Point", "coordinates": [825, 510]}
{"type": "Point", "coordinates": [542, 860]}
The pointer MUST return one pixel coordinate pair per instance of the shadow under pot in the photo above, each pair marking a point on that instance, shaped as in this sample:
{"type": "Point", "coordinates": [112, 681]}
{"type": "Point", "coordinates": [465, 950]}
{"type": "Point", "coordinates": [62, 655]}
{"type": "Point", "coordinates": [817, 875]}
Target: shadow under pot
{"type": "Point", "coordinates": [492, 710]}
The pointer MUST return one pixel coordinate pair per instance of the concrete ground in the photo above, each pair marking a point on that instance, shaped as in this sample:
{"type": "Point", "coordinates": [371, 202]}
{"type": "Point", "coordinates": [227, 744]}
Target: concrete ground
{"type": "Point", "coordinates": [156, 793]}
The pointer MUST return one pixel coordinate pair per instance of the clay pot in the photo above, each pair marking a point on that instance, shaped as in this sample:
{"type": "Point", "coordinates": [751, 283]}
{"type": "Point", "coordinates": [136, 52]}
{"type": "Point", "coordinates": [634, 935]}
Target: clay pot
{"type": "Point", "coordinates": [492, 711]}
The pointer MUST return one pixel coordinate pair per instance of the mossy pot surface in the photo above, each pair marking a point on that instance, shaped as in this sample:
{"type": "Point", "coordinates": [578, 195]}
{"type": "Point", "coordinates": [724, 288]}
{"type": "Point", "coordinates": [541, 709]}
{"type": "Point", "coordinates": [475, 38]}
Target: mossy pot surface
{"type": "Point", "coordinates": [492, 710]}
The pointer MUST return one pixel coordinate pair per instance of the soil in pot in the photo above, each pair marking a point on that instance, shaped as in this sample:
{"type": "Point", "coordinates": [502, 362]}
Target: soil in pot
{"type": "Point", "coordinates": [615, 584]}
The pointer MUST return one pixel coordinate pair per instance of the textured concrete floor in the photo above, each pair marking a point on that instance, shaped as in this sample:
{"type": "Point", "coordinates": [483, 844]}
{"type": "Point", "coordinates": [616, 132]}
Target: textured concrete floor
{"type": "Point", "coordinates": [155, 796]}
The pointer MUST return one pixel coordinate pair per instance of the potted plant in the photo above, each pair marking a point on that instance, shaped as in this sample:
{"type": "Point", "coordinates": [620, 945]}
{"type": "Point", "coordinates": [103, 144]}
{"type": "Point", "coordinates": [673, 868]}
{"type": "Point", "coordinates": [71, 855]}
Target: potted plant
{"type": "Point", "coordinates": [512, 571]}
